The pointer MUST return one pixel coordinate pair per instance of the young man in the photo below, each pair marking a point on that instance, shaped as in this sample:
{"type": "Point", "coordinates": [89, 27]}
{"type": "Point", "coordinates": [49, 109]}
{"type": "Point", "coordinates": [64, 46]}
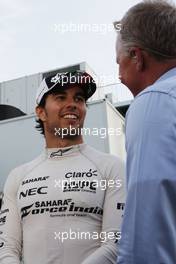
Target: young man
{"type": "Point", "coordinates": [146, 54]}
{"type": "Point", "coordinates": [56, 208]}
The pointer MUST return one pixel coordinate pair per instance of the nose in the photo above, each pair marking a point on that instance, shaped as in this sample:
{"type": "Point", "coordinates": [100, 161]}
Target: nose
{"type": "Point", "coordinates": [71, 104]}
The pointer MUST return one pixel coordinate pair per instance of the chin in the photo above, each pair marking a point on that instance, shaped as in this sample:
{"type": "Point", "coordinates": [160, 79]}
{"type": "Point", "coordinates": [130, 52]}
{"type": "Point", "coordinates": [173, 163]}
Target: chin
{"type": "Point", "coordinates": [71, 132]}
{"type": "Point", "coordinates": [71, 137]}
{"type": "Point", "coordinates": [129, 86]}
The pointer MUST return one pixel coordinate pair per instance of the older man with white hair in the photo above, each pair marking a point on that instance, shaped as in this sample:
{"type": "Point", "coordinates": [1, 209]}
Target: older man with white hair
{"type": "Point", "coordinates": [146, 54]}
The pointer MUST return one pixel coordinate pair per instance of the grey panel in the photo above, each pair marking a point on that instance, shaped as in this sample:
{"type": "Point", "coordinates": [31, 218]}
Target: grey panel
{"type": "Point", "coordinates": [19, 142]}
{"type": "Point", "coordinates": [14, 93]}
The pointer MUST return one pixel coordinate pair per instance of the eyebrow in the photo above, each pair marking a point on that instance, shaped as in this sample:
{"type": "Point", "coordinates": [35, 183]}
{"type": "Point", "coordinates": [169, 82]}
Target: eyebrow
{"type": "Point", "coordinates": [80, 93]}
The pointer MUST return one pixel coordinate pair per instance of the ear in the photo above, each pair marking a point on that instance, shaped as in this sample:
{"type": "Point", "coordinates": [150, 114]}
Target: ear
{"type": "Point", "coordinates": [138, 58]}
{"type": "Point", "coordinates": [41, 113]}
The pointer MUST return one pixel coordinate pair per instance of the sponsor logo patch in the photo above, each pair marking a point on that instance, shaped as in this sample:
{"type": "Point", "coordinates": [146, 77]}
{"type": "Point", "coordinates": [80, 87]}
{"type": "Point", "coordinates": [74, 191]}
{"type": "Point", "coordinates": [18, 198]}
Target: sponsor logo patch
{"type": "Point", "coordinates": [44, 178]}
{"type": "Point", "coordinates": [75, 174]}
{"type": "Point", "coordinates": [3, 220]}
{"type": "Point", "coordinates": [120, 206]}
{"type": "Point", "coordinates": [33, 191]}
{"type": "Point", "coordinates": [79, 186]}
{"type": "Point", "coordinates": [58, 206]}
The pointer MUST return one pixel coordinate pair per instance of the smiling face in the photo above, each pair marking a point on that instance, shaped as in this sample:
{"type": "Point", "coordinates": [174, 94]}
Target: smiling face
{"type": "Point", "coordinates": [63, 110]}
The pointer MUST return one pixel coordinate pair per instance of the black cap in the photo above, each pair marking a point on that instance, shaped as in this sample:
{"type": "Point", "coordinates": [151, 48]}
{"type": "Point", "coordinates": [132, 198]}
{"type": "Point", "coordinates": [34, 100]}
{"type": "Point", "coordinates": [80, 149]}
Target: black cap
{"type": "Point", "coordinates": [63, 79]}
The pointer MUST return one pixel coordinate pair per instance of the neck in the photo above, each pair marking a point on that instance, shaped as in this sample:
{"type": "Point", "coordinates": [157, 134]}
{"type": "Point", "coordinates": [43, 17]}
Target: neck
{"type": "Point", "coordinates": [153, 73]}
{"type": "Point", "coordinates": [57, 142]}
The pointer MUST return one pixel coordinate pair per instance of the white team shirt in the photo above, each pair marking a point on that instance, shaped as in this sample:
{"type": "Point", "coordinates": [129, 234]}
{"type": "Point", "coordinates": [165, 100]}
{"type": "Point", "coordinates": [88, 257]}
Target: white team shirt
{"type": "Point", "coordinates": [63, 207]}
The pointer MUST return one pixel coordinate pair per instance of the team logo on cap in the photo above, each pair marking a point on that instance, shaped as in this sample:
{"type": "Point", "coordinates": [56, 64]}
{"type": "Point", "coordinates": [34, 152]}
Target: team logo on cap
{"type": "Point", "coordinates": [57, 77]}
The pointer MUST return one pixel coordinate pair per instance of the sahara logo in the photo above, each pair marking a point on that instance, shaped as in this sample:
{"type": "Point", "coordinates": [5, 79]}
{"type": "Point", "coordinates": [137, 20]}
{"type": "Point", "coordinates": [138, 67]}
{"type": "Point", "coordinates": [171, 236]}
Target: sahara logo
{"type": "Point", "coordinates": [44, 178]}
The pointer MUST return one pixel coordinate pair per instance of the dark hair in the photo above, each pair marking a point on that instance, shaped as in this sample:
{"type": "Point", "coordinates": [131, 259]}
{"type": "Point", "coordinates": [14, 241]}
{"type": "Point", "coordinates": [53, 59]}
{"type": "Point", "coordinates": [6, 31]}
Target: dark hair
{"type": "Point", "coordinates": [39, 123]}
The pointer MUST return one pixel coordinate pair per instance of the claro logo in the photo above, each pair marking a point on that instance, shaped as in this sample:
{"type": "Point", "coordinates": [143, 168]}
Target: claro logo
{"type": "Point", "coordinates": [33, 191]}
{"type": "Point", "coordinates": [75, 174]}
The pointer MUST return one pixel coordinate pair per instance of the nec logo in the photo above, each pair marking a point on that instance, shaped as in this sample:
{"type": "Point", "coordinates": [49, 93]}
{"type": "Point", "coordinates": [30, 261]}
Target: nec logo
{"type": "Point", "coordinates": [33, 191]}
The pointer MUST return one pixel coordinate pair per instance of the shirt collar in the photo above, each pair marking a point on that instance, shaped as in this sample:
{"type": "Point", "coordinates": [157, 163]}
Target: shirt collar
{"type": "Point", "coordinates": [55, 153]}
{"type": "Point", "coordinates": [163, 77]}
{"type": "Point", "coordinates": [167, 75]}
